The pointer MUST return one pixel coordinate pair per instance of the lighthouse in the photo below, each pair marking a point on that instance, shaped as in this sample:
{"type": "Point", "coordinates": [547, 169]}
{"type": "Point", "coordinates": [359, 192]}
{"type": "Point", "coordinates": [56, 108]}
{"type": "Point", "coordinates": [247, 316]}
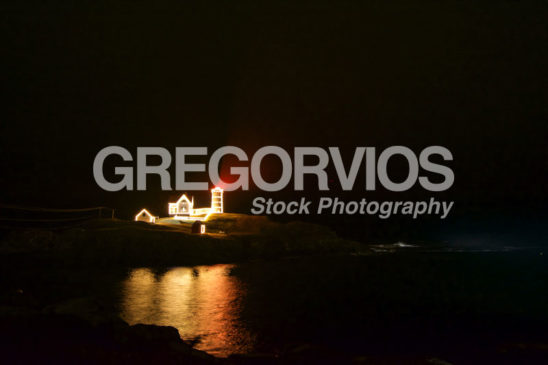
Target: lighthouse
{"type": "Point", "coordinates": [217, 200]}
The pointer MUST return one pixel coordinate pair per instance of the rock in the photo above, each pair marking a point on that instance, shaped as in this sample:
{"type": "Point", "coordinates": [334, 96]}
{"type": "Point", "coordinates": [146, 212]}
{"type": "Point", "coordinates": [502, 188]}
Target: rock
{"type": "Point", "coordinates": [164, 339]}
{"type": "Point", "coordinates": [87, 309]}
{"type": "Point", "coordinates": [152, 333]}
{"type": "Point", "coordinates": [15, 312]}
{"type": "Point", "coordinates": [314, 354]}
{"type": "Point", "coordinates": [436, 361]}
{"type": "Point", "coordinates": [18, 297]}
{"type": "Point", "coordinates": [257, 358]}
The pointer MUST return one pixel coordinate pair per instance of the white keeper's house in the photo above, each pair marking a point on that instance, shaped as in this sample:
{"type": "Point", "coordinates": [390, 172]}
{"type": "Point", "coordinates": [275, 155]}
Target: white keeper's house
{"type": "Point", "coordinates": [183, 208]}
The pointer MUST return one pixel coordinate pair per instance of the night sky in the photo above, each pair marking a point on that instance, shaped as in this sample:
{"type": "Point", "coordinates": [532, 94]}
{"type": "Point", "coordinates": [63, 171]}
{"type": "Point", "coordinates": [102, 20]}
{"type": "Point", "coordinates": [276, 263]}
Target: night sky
{"type": "Point", "coordinates": [470, 76]}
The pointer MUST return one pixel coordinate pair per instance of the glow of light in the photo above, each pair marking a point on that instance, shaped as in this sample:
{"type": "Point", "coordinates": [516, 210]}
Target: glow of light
{"type": "Point", "coordinates": [203, 301]}
{"type": "Point", "coordinates": [173, 208]}
{"type": "Point", "coordinates": [217, 200]}
{"type": "Point", "coordinates": [202, 228]}
{"type": "Point", "coordinates": [217, 206]}
{"type": "Point", "coordinates": [151, 218]}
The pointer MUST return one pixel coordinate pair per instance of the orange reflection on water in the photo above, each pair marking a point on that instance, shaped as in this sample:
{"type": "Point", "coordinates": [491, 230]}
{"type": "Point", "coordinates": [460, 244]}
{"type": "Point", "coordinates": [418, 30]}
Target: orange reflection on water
{"type": "Point", "coordinates": [202, 303]}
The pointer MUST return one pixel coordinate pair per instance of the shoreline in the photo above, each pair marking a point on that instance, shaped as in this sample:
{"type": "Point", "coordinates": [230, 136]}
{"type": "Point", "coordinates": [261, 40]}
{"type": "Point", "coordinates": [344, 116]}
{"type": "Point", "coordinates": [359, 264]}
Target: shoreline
{"type": "Point", "coordinates": [233, 239]}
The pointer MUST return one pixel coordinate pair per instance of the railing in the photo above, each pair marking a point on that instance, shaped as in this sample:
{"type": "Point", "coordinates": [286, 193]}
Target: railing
{"type": "Point", "coordinates": [16, 215]}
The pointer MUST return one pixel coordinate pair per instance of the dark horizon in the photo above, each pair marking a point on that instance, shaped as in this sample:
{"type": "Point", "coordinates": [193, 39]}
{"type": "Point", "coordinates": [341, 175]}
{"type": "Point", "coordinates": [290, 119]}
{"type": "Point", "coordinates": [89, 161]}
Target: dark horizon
{"type": "Point", "coordinates": [470, 77]}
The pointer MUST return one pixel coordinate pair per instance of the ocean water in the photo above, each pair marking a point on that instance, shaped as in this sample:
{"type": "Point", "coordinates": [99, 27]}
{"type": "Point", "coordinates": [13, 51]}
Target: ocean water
{"type": "Point", "coordinates": [403, 299]}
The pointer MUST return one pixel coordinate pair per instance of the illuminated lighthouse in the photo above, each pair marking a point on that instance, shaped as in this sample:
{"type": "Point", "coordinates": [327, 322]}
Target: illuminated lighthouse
{"type": "Point", "coordinates": [217, 200]}
{"type": "Point", "coordinates": [184, 210]}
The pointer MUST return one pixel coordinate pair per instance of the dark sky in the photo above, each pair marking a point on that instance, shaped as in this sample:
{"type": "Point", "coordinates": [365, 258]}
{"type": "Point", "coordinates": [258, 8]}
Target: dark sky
{"type": "Point", "coordinates": [470, 76]}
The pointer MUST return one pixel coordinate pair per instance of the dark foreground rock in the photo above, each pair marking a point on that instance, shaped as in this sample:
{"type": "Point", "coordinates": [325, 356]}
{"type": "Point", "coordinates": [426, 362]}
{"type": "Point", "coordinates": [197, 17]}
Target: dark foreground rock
{"type": "Point", "coordinates": [81, 332]}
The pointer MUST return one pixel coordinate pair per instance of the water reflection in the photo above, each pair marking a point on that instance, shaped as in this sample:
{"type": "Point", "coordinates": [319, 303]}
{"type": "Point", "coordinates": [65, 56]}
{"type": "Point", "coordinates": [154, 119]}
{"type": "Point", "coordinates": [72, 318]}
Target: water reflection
{"type": "Point", "coordinates": [203, 303]}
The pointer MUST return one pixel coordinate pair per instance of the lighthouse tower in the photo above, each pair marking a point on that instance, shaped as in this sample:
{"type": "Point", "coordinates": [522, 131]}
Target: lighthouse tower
{"type": "Point", "coordinates": [217, 200]}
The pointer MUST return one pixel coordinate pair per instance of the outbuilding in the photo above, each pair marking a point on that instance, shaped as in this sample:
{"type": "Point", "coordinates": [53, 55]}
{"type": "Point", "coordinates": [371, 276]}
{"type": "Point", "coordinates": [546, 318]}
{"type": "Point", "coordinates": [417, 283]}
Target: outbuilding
{"type": "Point", "coordinates": [145, 216]}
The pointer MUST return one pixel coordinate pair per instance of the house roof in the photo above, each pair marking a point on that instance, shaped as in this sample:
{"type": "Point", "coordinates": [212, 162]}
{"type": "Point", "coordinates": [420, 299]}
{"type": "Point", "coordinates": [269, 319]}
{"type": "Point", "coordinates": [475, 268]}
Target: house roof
{"type": "Point", "coordinates": [144, 211]}
{"type": "Point", "coordinates": [184, 197]}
